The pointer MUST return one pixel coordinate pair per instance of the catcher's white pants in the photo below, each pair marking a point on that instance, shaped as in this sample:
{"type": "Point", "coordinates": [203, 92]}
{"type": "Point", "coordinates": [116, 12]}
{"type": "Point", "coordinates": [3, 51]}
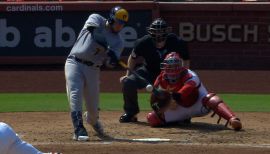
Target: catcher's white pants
{"type": "Point", "coordinates": [182, 113]}
{"type": "Point", "coordinates": [82, 81]}
{"type": "Point", "coordinates": [10, 143]}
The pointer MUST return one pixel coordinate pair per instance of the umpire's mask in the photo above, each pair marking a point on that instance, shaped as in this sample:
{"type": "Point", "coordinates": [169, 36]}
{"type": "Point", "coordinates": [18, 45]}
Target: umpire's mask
{"type": "Point", "coordinates": [159, 30]}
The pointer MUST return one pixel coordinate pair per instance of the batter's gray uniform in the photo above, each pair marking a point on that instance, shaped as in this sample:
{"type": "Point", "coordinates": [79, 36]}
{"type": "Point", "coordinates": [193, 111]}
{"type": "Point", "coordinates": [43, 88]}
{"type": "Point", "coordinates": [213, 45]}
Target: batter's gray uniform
{"type": "Point", "coordinates": [82, 67]}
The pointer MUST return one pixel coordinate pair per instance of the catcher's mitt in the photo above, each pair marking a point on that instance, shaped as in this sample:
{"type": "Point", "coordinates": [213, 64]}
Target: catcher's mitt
{"type": "Point", "coordinates": [160, 100]}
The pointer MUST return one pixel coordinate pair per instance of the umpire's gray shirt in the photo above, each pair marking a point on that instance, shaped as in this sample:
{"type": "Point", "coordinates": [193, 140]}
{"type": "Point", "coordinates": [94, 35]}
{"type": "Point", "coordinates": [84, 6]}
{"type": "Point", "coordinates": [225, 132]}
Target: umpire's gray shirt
{"type": "Point", "coordinates": [93, 47]}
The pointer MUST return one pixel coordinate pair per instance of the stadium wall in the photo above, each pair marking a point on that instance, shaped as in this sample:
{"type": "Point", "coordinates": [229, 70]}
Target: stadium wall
{"type": "Point", "coordinates": [228, 36]}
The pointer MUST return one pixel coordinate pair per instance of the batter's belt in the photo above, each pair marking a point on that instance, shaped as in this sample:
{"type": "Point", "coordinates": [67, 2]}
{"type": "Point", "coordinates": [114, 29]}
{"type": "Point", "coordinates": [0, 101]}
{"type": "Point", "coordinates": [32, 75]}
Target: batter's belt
{"type": "Point", "coordinates": [88, 63]}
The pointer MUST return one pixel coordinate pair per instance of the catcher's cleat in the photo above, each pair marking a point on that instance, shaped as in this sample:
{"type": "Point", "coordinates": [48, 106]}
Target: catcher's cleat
{"type": "Point", "coordinates": [125, 118]}
{"type": "Point", "coordinates": [98, 128]}
{"type": "Point", "coordinates": [235, 123]}
{"type": "Point", "coordinates": [81, 135]}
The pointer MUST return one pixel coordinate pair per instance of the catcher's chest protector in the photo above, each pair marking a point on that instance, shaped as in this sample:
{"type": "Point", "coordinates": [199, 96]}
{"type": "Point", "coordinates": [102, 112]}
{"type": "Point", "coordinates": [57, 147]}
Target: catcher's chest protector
{"type": "Point", "coordinates": [166, 85]}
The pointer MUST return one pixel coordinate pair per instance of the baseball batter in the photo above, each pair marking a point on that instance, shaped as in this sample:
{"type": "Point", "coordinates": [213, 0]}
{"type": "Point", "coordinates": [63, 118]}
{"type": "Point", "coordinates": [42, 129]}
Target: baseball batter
{"type": "Point", "coordinates": [98, 41]}
{"type": "Point", "coordinates": [10, 143]}
{"type": "Point", "coordinates": [182, 96]}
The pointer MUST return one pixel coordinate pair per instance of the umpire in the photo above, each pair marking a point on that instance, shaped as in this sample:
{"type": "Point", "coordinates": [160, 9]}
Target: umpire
{"type": "Point", "coordinates": [153, 48]}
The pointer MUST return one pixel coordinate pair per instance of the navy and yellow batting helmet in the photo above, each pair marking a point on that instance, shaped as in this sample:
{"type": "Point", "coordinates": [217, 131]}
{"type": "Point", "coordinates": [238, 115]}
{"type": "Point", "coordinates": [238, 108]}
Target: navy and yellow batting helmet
{"type": "Point", "coordinates": [119, 15]}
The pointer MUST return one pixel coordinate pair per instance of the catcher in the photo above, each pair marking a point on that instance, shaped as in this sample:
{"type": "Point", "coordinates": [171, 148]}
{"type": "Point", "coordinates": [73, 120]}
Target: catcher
{"type": "Point", "coordinates": [179, 95]}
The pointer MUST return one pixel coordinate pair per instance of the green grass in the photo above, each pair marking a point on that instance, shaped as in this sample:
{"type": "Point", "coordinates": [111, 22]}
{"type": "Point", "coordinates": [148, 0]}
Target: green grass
{"type": "Point", "coordinates": [12, 102]}
{"type": "Point", "coordinates": [248, 102]}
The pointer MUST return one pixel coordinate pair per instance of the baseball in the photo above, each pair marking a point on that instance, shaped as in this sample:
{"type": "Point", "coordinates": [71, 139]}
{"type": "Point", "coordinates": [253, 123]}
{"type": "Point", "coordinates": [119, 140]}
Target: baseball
{"type": "Point", "coordinates": [149, 88]}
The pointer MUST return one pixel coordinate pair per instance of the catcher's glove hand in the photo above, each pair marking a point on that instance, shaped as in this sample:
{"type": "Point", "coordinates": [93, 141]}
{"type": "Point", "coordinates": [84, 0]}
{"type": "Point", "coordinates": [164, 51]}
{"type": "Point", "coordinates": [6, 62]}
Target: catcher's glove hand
{"type": "Point", "coordinates": [160, 100]}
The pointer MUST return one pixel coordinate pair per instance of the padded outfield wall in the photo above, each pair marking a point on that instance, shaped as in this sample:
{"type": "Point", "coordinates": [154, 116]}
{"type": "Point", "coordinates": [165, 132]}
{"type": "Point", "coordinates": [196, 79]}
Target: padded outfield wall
{"type": "Point", "coordinates": [230, 36]}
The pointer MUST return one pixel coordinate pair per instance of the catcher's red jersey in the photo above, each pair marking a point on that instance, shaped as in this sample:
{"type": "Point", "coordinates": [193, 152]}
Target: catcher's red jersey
{"type": "Point", "coordinates": [164, 84]}
{"type": "Point", "coordinates": [192, 92]}
{"type": "Point", "coordinates": [188, 86]}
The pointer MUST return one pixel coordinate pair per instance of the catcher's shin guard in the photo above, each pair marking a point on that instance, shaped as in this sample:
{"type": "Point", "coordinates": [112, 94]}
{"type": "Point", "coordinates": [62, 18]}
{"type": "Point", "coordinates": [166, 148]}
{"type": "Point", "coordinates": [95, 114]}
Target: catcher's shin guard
{"type": "Point", "coordinates": [219, 107]}
{"type": "Point", "coordinates": [154, 119]}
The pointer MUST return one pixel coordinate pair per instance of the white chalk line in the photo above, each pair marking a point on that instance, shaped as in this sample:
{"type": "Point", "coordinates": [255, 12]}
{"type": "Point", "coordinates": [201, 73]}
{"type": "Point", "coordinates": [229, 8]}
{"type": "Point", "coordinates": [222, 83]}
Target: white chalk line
{"type": "Point", "coordinates": [183, 143]}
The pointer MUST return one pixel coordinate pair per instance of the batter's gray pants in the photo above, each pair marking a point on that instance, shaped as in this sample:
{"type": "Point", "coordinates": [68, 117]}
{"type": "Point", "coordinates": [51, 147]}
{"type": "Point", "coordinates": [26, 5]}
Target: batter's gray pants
{"type": "Point", "coordinates": [82, 81]}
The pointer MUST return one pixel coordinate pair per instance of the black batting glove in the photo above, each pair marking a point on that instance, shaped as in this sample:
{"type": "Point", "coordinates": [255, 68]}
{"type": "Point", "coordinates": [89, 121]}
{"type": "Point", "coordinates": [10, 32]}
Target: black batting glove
{"type": "Point", "coordinates": [112, 59]}
{"type": "Point", "coordinates": [91, 27]}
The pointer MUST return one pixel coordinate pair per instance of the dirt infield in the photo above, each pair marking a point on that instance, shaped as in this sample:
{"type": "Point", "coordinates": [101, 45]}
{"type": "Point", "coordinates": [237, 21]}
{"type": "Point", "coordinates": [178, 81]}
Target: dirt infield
{"type": "Point", "coordinates": [52, 131]}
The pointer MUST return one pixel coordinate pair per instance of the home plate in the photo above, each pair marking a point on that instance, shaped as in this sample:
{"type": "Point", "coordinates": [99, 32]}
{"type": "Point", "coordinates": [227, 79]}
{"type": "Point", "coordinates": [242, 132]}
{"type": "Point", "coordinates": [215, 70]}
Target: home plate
{"type": "Point", "coordinates": [152, 140]}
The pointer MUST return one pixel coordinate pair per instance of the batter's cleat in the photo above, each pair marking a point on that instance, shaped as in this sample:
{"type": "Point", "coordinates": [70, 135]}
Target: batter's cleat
{"type": "Point", "coordinates": [235, 123]}
{"type": "Point", "coordinates": [125, 118]}
{"type": "Point", "coordinates": [81, 135]}
{"type": "Point", "coordinates": [98, 128]}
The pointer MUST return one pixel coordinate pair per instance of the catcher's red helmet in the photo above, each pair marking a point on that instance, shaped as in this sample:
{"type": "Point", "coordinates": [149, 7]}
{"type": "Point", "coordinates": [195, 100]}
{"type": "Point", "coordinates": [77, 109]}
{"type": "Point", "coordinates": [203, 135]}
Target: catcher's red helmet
{"type": "Point", "coordinates": [172, 66]}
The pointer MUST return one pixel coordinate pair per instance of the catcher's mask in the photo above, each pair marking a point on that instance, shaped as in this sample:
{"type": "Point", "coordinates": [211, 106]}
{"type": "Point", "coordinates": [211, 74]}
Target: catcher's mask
{"type": "Point", "coordinates": [158, 30]}
{"type": "Point", "coordinates": [119, 15]}
{"type": "Point", "coordinates": [172, 67]}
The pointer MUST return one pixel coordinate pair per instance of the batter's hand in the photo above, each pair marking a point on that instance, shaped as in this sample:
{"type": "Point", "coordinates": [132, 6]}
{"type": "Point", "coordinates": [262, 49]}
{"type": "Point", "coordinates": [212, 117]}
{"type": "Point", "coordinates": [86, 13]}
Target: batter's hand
{"type": "Point", "coordinates": [109, 63]}
{"type": "Point", "coordinates": [112, 60]}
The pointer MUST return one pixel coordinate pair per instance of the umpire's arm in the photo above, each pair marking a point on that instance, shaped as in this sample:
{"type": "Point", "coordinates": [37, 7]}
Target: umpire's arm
{"type": "Point", "coordinates": [132, 62]}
